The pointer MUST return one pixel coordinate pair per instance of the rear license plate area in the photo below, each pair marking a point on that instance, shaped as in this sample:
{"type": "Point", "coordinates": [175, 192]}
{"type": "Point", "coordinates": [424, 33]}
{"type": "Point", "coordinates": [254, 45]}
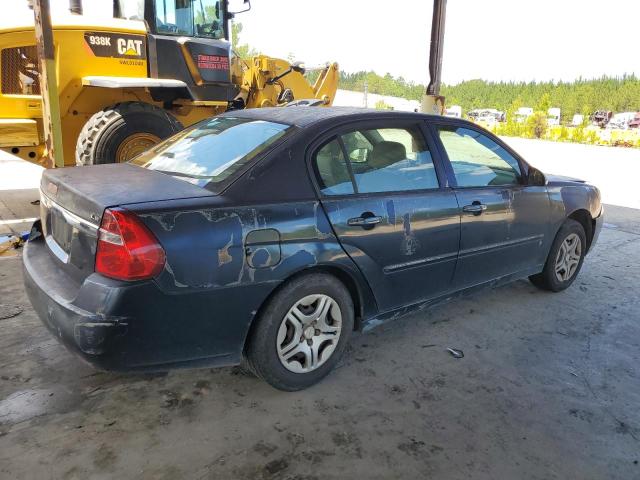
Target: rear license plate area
{"type": "Point", "coordinates": [60, 230]}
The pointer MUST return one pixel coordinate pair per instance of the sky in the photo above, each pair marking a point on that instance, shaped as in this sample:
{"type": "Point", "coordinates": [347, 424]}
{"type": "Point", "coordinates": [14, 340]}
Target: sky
{"type": "Point", "coordinates": [489, 39]}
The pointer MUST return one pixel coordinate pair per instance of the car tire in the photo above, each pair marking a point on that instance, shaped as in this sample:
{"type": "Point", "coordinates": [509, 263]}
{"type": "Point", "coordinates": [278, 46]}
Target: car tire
{"type": "Point", "coordinates": [281, 347]}
{"type": "Point", "coordinates": [565, 258]}
{"type": "Point", "coordinates": [120, 132]}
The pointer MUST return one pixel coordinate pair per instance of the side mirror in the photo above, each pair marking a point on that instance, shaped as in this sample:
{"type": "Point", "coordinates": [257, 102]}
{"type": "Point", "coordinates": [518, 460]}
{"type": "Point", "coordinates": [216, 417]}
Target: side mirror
{"type": "Point", "coordinates": [246, 6]}
{"type": "Point", "coordinates": [536, 178]}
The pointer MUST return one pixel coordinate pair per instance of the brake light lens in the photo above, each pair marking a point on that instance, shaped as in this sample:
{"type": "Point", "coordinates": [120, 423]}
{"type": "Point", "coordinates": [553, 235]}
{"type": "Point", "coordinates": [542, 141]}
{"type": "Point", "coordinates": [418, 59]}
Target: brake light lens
{"type": "Point", "coordinates": [127, 250]}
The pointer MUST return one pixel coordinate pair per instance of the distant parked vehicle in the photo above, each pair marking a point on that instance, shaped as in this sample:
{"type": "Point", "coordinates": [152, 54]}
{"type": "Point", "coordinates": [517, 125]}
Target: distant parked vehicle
{"type": "Point", "coordinates": [454, 111]}
{"type": "Point", "coordinates": [620, 121]}
{"type": "Point", "coordinates": [523, 113]}
{"type": "Point", "coordinates": [488, 115]}
{"type": "Point", "coordinates": [577, 120]}
{"type": "Point", "coordinates": [553, 116]}
{"type": "Point", "coordinates": [635, 123]}
{"type": "Point", "coordinates": [600, 118]}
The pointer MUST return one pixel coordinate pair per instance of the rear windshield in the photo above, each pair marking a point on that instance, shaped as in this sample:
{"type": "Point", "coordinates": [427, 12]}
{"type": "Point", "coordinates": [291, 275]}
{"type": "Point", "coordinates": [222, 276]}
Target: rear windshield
{"type": "Point", "coordinates": [212, 151]}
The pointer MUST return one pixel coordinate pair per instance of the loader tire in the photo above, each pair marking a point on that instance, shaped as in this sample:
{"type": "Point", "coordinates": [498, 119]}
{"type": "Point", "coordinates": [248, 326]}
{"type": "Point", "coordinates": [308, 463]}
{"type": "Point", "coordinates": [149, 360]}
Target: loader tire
{"type": "Point", "coordinates": [122, 131]}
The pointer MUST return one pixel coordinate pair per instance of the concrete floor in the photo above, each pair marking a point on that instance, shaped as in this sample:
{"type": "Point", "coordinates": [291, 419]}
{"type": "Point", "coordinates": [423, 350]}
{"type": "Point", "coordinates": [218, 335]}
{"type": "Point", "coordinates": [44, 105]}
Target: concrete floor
{"type": "Point", "coordinates": [548, 387]}
{"type": "Point", "coordinates": [19, 182]}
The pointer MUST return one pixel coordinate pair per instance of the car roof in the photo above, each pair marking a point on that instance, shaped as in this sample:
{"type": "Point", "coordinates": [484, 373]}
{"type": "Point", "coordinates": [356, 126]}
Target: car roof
{"type": "Point", "coordinates": [303, 116]}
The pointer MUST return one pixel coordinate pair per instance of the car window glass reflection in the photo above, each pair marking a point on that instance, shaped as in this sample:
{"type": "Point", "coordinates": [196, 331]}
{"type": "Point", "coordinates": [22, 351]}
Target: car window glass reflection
{"type": "Point", "coordinates": [332, 169]}
{"type": "Point", "coordinates": [478, 161]}
{"type": "Point", "coordinates": [390, 160]}
{"type": "Point", "coordinates": [213, 150]}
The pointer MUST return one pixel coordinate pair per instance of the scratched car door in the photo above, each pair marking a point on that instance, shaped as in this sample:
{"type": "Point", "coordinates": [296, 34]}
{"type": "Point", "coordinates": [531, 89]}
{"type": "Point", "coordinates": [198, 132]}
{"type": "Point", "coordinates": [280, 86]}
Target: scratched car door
{"type": "Point", "coordinates": [504, 221]}
{"type": "Point", "coordinates": [380, 188]}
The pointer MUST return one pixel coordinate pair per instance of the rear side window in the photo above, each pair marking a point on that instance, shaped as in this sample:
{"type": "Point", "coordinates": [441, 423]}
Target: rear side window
{"type": "Point", "coordinates": [212, 151]}
{"type": "Point", "coordinates": [332, 169]}
{"type": "Point", "coordinates": [377, 160]}
{"type": "Point", "coordinates": [478, 161]}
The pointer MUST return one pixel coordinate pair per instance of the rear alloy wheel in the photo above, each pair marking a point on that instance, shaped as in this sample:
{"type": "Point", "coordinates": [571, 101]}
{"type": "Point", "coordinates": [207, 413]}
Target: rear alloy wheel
{"type": "Point", "coordinates": [564, 260]}
{"type": "Point", "coordinates": [122, 132]}
{"type": "Point", "coordinates": [309, 333]}
{"type": "Point", "coordinates": [301, 332]}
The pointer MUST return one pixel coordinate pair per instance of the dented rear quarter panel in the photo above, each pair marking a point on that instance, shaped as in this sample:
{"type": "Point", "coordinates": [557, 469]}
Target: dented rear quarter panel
{"type": "Point", "coordinates": [210, 260]}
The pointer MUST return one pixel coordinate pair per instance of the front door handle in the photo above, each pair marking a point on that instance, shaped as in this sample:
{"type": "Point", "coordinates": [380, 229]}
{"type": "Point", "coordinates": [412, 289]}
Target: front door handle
{"type": "Point", "coordinates": [476, 208]}
{"type": "Point", "coordinates": [364, 221]}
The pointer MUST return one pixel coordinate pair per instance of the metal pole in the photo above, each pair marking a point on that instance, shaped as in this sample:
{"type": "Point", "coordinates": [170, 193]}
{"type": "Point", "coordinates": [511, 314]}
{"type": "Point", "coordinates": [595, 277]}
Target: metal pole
{"type": "Point", "coordinates": [365, 98]}
{"type": "Point", "coordinates": [48, 85]}
{"type": "Point", "coordinates": [432, 102]}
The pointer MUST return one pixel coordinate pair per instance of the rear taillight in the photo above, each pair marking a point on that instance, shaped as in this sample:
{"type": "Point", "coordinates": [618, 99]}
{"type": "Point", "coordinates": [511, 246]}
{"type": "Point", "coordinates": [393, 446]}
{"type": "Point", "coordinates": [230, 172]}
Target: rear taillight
{"type": "Point", "coordinates": [127, 250]}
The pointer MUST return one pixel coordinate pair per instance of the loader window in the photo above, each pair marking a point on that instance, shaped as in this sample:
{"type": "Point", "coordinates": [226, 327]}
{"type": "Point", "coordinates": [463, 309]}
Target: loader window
{"type": "Point", "coordinates": [193, 18]}
{"type": "Point", "coordinates": [211, 152]}
{"type": "Point", "coordinates": [209, 20]}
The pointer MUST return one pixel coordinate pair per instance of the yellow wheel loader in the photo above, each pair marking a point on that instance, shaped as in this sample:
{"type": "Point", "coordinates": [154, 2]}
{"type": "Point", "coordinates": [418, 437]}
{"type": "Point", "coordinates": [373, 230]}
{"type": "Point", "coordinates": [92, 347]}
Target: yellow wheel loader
{"type": "Point", "coordinates": [137, 76]}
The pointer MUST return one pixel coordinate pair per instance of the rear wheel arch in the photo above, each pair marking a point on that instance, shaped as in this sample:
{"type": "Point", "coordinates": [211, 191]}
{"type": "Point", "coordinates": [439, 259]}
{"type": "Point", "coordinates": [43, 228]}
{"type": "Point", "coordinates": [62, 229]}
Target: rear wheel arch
{"type": "Point", "coordinates": [305, 364]}
{"type": "Point", "coordinates": [341, 274]}
{"type": "Point", "coordinates": [352, 285]}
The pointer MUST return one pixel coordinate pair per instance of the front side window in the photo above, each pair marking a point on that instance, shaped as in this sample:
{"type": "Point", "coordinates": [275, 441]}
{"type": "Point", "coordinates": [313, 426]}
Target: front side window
{"type": "Point", "coordinates": [194, 18]}
{"type": "Point", "coordinates": [478, 161]}
{"type": "Point", "coordinates": [212, 151]}
{"type": "Point", "coordinates": [390, 160]}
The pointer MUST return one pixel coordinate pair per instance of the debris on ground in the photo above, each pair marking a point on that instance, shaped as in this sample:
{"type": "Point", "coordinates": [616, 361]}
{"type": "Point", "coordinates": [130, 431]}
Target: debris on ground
{"type": "Point", "coordinates": [9, 311]}
{"type": "Point", "coordinates": [12, 242]}
{"type": "Point", "coordinates": [455, 353]}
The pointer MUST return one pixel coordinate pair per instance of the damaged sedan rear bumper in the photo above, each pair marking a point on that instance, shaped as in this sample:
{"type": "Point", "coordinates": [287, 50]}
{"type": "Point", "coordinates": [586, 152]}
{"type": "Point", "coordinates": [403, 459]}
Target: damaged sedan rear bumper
{"type": "Point", "coordinates": [89, 319]}
{"type": "Point", "coordinates": [88, 334]}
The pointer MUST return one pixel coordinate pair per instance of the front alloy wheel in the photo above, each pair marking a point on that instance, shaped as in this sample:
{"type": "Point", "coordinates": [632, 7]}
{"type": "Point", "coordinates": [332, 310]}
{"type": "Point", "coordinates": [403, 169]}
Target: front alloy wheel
{"type": "Point", "coordinates": [568, 258]}
{"type": "Point", "coordinates": [565, 258]}
{"type": "Point", "coordinates": [309, 333]}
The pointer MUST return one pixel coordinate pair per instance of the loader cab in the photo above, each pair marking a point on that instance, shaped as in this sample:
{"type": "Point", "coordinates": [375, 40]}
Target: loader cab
{"type": "Point", "coordinates": [187, 41]}
{"type": "Point", "coordinates": [188, 18]}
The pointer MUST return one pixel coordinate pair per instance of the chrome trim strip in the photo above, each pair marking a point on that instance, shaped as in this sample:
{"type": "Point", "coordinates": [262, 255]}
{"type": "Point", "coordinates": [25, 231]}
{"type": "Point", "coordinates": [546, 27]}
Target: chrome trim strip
{"type": "Point", "coordinates": [419, 262]}
{"type": "Point", "coordinates": [464, 253]}
{"type": "Point", "coordinates": [56, 249]}
{"type": "Point", "coordinates": [469, 252]}
{"type": "Point", "coordinates": [70, 217]}
{"type": "Point", "coordinates": [75, 222]}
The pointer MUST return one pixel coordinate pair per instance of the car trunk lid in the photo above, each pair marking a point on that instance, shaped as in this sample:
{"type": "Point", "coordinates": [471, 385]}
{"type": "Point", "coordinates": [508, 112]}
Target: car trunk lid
{"type": "Point", "coordinates": [74, 199]}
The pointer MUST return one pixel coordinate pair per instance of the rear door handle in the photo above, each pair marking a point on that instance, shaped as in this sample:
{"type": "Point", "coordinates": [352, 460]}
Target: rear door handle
{"type": "Point", "coordinates": [364, 221]}
{"type": "Point", "coordinates": [476, 208]}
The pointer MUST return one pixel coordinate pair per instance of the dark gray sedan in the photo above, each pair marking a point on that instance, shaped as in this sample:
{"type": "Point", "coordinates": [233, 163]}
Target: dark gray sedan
{"type": "Point", "coordinates": [272, 234]}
